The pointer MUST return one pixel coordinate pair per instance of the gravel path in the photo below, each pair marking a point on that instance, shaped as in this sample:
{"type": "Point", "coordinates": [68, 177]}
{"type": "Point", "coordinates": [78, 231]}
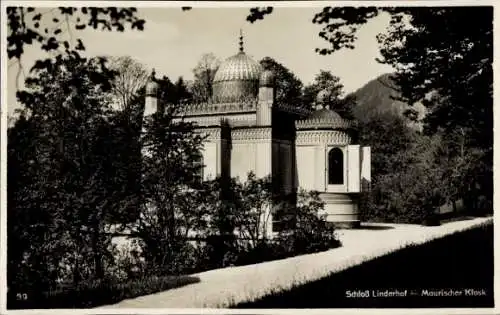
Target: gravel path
{"type": "Point", "coordinates": [229, 286]}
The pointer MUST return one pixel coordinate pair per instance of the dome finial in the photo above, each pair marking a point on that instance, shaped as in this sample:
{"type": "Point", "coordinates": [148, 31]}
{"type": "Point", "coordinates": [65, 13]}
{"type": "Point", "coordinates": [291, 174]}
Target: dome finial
{"type": "Point", "coordinates": [152, 85]}
{"type": "Point", "coordinates": [241, 40]}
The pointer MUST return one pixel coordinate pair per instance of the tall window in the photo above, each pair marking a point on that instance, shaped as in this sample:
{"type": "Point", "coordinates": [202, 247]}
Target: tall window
{"type": "Point", "coordinates": [335, 167]}
{"type": "Point", "coordinates": [199, 166]}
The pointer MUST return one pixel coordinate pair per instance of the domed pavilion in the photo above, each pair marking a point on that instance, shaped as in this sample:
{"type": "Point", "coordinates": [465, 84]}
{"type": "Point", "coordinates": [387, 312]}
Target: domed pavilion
{"type": "Point", "coordinates": [247, 130]}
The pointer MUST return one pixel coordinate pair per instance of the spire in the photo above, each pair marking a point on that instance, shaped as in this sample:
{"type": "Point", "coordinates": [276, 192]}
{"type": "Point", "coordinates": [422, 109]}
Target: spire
{"type": "Point", "coordinates": [241, 40]}
{"type": "Point", "coordinates": [153, 73]}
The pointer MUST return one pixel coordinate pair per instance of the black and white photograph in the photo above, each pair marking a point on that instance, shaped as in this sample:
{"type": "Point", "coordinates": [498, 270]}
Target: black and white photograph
{"type": "Point", "coordinates": [247, 156]}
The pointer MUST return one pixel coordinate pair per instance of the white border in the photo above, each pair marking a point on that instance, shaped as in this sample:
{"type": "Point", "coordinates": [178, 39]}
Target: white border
{"type": "Point", "coordinates": [228, 4]}
{"type": "Point", "coordinates": [244, 4]}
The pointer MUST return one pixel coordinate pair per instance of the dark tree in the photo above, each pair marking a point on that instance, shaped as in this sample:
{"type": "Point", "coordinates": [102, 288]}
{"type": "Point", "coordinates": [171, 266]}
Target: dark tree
{"type": "Point", "coordinates": [169, 168]}
{"type": "Point", "coordinates": [131, 77]}
{"type": "Point", "coordinates": [181, 91]}
{"type": "Point", "coordinates": [326, 81]}
{"type": "Point", "coordinates": [204, 74]}
{"type": "Point", "coordinates": [66, 195]}
{"type": "Point", "coordinates": [46, 26]}
{"type": "Point", "coordinates": [288, 86]}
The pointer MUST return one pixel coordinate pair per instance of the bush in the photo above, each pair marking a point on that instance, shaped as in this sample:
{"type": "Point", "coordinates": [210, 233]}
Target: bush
{"type": "Point", "coordinates": [237, 229]}
{"type": "Point", "coordinates": [263, 251]}
{"type": "Point", "coordinates": [307, 230]}
{"type": "Point", "coordinates": [219, 251]}
{"type": "Point", "coordinates": [128, 263]}
{"type": "Point", "coordinates": [412, 193]}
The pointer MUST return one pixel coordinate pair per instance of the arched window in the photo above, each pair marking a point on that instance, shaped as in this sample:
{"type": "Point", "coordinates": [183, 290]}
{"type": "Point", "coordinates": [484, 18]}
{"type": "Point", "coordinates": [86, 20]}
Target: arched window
{"type": "Point", "coordinates": [335, 167]}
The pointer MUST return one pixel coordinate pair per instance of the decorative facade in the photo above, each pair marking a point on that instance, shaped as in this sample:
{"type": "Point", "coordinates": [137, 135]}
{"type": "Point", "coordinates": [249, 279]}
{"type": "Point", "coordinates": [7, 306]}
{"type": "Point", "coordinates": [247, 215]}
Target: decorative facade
{"type": "Point", "coordinates": [248, 131]}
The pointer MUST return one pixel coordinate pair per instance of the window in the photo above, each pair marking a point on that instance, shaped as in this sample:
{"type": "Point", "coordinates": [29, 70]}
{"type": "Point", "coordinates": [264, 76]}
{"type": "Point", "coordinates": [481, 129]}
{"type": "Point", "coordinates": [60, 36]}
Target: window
{"type": "Point", "coordinates": [198, 167]}
{"type": "Point", "coordinates": [335, 167]}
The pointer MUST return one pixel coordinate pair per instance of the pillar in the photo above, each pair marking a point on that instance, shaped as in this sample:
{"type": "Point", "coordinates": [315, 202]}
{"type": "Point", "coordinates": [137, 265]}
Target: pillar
{"type": "Point", "coordinates": [266, 99]}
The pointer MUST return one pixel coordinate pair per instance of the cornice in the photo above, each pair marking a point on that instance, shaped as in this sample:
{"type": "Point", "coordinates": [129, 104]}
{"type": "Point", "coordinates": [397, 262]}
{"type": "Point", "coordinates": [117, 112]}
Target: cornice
{"type": "Point", "coordinates": [250, 134]}
{"type": "Point", "coordinates": [320, 123]}
{"type": "Point", "coordinates": [293, 109]}
{"type": "Point", "coordinates": [213, 108]}
{"type": "Point", "coordinates": [212, 134]}
{"type": "Point", "coordinates": [323, 137]}
{"type": "Point", "coordinates": [240, 119]}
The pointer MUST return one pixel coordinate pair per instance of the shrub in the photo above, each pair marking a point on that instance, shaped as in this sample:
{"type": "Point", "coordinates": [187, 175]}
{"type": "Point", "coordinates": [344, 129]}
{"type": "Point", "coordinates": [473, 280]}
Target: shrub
{"type": "Point", "coordinates": [307, 230]}
{"type": "Point", "coordinates": [128, 263]}
{"type": "Point", "coordinates": [410, 194]}
{"type": "Point", "coordinates": [237, 231]}
{"type": "Point", "coordinates": [263, 251]}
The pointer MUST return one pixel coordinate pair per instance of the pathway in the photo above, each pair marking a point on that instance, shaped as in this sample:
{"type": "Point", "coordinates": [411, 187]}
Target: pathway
{"type": "Point", "coordinates": [223, 287]}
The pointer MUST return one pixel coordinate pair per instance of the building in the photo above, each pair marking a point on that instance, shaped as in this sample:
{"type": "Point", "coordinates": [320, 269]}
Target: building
{"type": "Point", "coordinates": [249, 131]}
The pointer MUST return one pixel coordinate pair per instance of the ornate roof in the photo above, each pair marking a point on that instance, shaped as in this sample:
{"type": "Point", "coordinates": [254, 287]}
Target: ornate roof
{"type": "Point", "coordinates": [237, 78]}
{"type": "Point", "coordinates": [325, 119]}
{"type": "Point", "coordinates": [324, 114]}
{"type": "Point", "coordinates": [238, 67]}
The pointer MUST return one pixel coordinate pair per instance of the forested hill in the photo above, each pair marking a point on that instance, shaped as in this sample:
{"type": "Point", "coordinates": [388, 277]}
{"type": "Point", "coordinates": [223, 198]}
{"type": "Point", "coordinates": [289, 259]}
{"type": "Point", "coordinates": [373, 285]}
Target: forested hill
{"type": "Point", "coordinates": [375, 98]}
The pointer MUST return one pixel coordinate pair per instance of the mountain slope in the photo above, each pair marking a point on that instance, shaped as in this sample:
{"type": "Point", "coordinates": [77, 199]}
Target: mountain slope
{"type": "Point", "coordinates": [375, 97]}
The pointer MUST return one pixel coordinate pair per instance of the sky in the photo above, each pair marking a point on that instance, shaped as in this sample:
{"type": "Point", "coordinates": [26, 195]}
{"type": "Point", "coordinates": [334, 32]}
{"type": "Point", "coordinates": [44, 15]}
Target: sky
{"type": "Point", "coordinates": [174, 41]}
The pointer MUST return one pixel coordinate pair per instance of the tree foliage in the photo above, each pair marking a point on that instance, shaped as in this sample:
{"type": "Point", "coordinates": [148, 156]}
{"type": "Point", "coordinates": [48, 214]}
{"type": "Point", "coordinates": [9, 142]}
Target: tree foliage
{"type": "Point", "coordinates": [181, 90]}
{"type": "Point", "coordinates": [28, 25]}
{"type": "Point", "coordinates": [326, 81]}
{"type": "Point", "coordinates": [131, 77]}
{"type": "Point", "coordinates": [57, 218]}
{"type": "Point", "coordinates": [341, 25]}
{"type": "Point", "coordinates": [258, 13]}
{"type": "Point", "coordinates": [408, 175]}
{"type": "Point", "coordinates": [288, 86]}
{"type": "Point", "coordinates": [169, 167]}
{"type": "Point", "coordinates": [455, 64]}
{"type": "Point", "coordinates": [204, 74]}
{"type": "Point", "coordinates": [240, 216]}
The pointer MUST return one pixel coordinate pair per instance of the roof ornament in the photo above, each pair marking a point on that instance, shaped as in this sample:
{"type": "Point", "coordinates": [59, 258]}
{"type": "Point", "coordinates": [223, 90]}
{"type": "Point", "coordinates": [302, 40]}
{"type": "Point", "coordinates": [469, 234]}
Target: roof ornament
{"type": "Point", "coordinates": [152, 84]}
{"type": "Point", "coordinates": [241, 40]}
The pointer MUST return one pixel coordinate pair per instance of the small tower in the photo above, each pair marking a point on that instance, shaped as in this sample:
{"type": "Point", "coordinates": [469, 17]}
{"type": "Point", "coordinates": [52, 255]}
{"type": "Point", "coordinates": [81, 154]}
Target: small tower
{"type": "Point", "coordinates": [330, 161]}
{"type": "Point", "coordinates": [266, 98]}
{"type": "Point", "coordinates": [151, 102]}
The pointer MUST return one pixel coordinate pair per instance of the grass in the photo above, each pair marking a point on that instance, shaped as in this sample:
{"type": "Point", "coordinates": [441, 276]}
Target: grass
{"type": "Point", "coordinates": [101, 293]}
{"type": "Point", "coordinates": [463, 260]}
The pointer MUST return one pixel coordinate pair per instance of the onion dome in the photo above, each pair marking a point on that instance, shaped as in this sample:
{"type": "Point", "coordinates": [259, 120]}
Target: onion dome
{"type": "Point", "coordinates": [267, 79]}
{"type": "Point", "coordinates": [325, 118]}
{"type": "Point", "coordinates": [237, 78]}
{"type": "Point", "coordinates": [324, 115]}
{"type": "Point", "coordinates": [152, 85]}
{"type": "Point", "coordinates": [238, 67]}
